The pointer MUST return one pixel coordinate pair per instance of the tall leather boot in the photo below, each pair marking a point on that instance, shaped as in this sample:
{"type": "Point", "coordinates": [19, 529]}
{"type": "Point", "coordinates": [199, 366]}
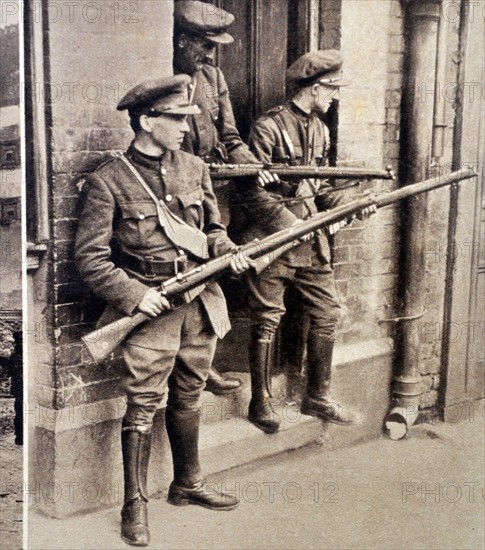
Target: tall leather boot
{"type": "Point", "coordinates": [187, 486]}
{"type": "Point", "coordinates": [221, 385]}
{"type": "Point", "coordinates": [261, 412]}
{"type": "Point", "coordinates": [135, 445]}
{"type": "Point", "coordinates": [317, 400]}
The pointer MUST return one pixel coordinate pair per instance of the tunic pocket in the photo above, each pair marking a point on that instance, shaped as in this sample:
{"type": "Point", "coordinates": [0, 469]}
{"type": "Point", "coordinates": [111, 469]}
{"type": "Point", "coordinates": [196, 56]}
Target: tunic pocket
{"type": "Point", "coordinates": [139, 222]}
{"type": "Point", "coordinates": [191, 203]}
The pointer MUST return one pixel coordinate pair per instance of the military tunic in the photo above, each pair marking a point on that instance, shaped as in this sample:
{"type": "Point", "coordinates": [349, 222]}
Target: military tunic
{"type": "Point", "coordinates": [213, 134]}
{"type": "Point", "coordinates": [288, 134]}
{"type": "Point", "coordinates": [121, 251]}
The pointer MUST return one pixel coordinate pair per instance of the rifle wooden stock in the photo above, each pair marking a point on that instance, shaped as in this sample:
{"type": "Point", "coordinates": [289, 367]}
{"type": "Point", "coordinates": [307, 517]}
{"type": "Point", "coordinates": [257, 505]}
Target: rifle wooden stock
{"type": "Point", "coordinates": [103, 341]}
{"type": "Point", "coordinates": [230, 171]}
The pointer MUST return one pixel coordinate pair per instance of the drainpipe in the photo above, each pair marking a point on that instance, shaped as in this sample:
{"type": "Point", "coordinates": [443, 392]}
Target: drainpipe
{"type": "Point", "coordinates": [422, 19]}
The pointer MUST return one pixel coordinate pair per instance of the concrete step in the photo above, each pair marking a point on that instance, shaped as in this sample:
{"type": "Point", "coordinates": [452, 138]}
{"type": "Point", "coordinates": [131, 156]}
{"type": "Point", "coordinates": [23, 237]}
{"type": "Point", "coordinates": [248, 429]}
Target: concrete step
{"type": "Point", "coordinates": [228, 439]}
{"type": "Point", "coordinates": [221, 408]}
{"type": "Point", "coordinates": [88, 455]}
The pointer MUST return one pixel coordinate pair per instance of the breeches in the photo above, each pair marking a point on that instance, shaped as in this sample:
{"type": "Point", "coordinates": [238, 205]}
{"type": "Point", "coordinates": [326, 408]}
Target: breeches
{"type": "Point", "coordinates": [315, 286]}
{"type": "Point", "coordinates": [173, 351]}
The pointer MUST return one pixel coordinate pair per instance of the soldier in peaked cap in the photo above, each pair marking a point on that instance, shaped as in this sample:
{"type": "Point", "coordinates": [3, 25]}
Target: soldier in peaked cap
{"type": "Point", "coordinates": [124, 249]}
{"type": "Point", "coordinates": [213, 136]}
{"type": "Point", "coordinates": [199, 28]}
{"type": "Point", "coordinates": [293, 133]}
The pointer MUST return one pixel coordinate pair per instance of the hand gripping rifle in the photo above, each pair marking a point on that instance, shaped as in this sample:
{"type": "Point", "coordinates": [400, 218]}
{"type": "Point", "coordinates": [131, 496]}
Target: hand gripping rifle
{"type": "Point", "coordinates": [231, 171]}
{"type": "Point", "coordinates": [103, 341]}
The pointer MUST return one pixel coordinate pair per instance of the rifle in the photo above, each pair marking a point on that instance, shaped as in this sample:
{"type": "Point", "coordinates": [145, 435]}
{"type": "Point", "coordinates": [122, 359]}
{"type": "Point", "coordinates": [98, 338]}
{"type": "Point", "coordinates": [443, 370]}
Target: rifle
{"type": "Point", "coordinates": [103, 341]}
{"type": "Point", "coordinates": [231, 171]}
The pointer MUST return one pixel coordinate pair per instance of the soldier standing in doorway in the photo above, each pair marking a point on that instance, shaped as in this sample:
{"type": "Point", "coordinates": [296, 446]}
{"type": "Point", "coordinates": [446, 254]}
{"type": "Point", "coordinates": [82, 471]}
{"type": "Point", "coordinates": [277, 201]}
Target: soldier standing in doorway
{"type": "Point", "coordinates": [213, 136]}
{"type": "Point", "coordinates": [149, 215]}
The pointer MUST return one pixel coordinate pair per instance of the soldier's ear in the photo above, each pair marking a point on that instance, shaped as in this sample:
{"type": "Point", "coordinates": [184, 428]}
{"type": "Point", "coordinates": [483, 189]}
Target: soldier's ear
{"type": "Point", "coordinates": [145, 124]}
{"type": "Point", "coordinates": [182, 41]}
{"type": "Point", "coordinates": [315, 89]}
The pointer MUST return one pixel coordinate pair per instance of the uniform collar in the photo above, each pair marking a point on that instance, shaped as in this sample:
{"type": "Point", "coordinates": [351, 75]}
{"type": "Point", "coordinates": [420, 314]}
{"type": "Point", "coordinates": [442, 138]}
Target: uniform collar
{"type": "Point", "coordinates": [148, 161]}
{"type": "Point", "coordinates": [298, 110]}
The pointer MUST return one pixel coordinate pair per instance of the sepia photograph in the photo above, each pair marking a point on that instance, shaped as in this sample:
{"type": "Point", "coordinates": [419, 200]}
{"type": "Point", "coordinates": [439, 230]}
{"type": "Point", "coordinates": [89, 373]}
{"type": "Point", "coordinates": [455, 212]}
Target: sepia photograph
{"type": "Point", "coordinates": [11, 317]}
{"type": "Point", "coordinates": [242, 271]}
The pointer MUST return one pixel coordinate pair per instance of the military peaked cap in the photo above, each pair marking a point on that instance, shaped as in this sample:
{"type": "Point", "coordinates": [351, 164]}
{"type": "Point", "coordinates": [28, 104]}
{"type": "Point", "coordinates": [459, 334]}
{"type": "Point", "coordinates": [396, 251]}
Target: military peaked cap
{"type": "Point", "coordinates": [203, 19]}
{"type": "Point", "coordinates": [167, 95]}
{"type": "Point", "coordinates": [322, 66]}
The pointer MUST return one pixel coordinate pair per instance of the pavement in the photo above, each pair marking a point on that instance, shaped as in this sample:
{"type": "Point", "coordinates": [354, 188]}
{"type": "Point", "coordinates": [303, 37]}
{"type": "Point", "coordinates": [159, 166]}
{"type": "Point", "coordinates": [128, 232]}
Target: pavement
{"type": "Point", "coordinates": [426, 491]}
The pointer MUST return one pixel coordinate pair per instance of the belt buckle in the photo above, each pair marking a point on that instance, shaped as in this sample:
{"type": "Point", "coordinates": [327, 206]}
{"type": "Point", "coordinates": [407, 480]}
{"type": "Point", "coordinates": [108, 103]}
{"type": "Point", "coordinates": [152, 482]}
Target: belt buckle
{"type": "Point", "coordinates": [149, 273]}
{"type": "Point", "coordinates": [176, 266]}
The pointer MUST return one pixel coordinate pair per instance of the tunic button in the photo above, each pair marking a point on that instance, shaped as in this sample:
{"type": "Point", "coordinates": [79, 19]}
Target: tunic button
{"type": "Point", "coordinates": [198, 203]}
{"type": "Point", "coordinates": [168, 198]}
{"type": "Point", "coordinates": [181, 252]}
{"type": "Point", "coordinates": [163, 172]}
{"type": "Point", "coordinates": [141, 216]}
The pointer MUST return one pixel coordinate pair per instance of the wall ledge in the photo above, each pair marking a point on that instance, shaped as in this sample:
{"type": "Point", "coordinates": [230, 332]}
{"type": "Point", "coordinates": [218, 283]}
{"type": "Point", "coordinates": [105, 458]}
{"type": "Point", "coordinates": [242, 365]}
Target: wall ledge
{"type": "Point", "coordinates": [35, 253]}
{"type": "Point", "coordinates": [73, 417]}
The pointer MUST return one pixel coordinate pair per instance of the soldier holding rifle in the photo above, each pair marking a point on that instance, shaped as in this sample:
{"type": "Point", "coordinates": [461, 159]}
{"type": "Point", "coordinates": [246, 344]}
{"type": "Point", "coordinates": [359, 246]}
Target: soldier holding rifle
{"type": "Point", "coordinates": [294, 133]}
{"type": "Point", "coordinates": [213, 136]}
{"type": "Point", "coordinates": [149, 215]}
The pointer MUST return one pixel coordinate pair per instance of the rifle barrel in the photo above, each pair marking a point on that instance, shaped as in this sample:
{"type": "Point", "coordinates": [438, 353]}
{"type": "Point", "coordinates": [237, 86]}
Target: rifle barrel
{"type": "Point", "coordinates": [229, 171]}
{"type": "Point", "coordinates": [436, 182]}
{"type": "Point", "coordinates": [103, 341]}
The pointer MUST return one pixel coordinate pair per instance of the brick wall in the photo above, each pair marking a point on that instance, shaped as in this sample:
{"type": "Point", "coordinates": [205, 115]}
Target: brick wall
{"type": "Point", "coordinates": [431, 327]}
{"type": "Point", "coordinates": [366, 257]}
{"type": "Point", "coordinates": [366, 253]}
{"type": "Point", "coordinates": [95, 53]}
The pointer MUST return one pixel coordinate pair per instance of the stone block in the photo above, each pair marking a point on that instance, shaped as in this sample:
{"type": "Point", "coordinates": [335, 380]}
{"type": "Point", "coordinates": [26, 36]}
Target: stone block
{"type": "Point", "coordinates": [396, 43]}
{"type": "Point", "coordinates": [69, 355]}
{"type": "Point", "coordinates": [395, 62]}
{"type": "Point", "coordinates": [65, 230]}
{"type": "Point", "coordinates": [342, 254]}
{"type": "Point", "coordinates": [66, 185]}
{"type": "Point", "coordinates": [66, 207]}
{"type": "Point", "coordinates": [63, 251]}
{"type": "Point", "coordinates": [65, 271]}
{"type": "Point", "coordinates": [69, 292]}
{"type": "Point", "coordinates": [75, 453]}
{"type": "Point", "coordinates": [428, 399]}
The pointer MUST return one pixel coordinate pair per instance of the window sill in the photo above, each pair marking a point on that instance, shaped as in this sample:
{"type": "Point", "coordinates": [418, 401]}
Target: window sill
{"type": "Point", "coordinates": [35, 253]}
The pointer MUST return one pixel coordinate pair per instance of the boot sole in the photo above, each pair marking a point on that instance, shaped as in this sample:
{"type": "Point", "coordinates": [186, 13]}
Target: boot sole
{"type": "Point", "coordinates": [131, 543]}
{"type": "Point", "coordinates": [188, 502]}
{"type": "Point", "coordinates": [263, 428]}
{"type": "Point", "coordinates": [326, 419]}
{"type": "Point", "coordinates": [224, 392]}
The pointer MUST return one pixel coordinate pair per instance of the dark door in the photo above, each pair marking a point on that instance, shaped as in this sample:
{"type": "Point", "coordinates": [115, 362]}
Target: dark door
{"type": "Point", "coordinates": [255, 64]}
{"type": "Point", "coordinates": [268, 36]}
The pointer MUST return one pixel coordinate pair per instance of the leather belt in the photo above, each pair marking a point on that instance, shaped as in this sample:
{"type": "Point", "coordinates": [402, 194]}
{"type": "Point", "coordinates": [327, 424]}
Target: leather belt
{"type": "Point", "coordinates": [150, 268]}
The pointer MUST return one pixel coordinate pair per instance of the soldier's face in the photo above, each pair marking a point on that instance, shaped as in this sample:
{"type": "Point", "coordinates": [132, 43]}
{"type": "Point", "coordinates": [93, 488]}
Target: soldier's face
{"type": "Point", "coordinates": [193, 52]}
{"type": "Point", "coordinates": [167, 132]}
{"type": "Point", "coordinates": [323, 97]}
